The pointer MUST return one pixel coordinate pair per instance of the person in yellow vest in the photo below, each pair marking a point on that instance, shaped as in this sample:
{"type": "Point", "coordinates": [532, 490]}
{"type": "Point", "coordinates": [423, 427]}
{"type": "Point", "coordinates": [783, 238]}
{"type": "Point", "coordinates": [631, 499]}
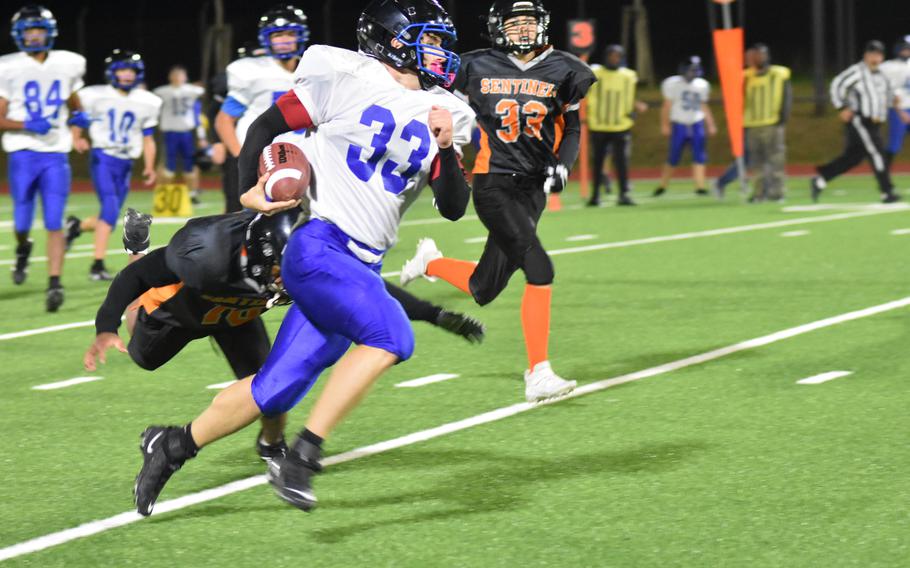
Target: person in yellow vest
{"type": "Point", "coordinates": [611, 114]}
{"type": "Point", "coordinates": [768, 101]}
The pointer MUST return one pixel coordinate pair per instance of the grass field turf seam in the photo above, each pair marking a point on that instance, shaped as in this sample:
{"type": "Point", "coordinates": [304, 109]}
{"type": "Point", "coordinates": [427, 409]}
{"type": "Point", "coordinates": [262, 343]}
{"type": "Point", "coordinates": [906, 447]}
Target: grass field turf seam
{"type": "Point", "coordinates": [95, 527]}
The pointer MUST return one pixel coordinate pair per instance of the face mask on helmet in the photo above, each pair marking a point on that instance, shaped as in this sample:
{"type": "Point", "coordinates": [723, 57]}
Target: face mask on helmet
{"type": "Point", "coordinates": [411, 34]}
{"type": "Point", "coordinates": [283, 32]}
{"type": "Point", "coordinates": [902, 48]}
{"type": "Point", "coordinates": [124, 60]}
{"type": "Point", "coordinates": [26, 22]}
{"type": "Point", "coordinates": [518, 27]}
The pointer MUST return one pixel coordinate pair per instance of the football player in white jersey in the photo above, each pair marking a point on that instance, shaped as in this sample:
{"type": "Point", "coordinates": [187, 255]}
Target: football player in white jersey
{"type": "Point", "coordinates": [380, 127]}
{"type": "Point", "coordinates": [123, 124]}
{"type": "Point", "coordinates": [685, 118]}
{"type": "Point", "coordinates": [255, 83]}
{"type": "Point", "coordinates": [37, 86]}
{"type": "Point", "coordinates": [180, 124]}
{"type": "Point", "coordinates": [897, 71]}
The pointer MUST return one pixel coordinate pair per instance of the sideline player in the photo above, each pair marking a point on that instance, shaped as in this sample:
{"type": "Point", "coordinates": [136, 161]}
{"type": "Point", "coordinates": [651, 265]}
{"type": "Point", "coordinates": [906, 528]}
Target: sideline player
{"type": "Point", "coordinates": [526, 95]}
{"type": "Point", "coordinates": [380, 128]}
{"type": "Point", "coordinates": [37, 87]}
{"type": "Point", "coordinates": [124, 118]}
{"type": "Point", "coordinates": [685, 118]}
{"type": "Point", "coordinates": [255, 83]}
{"type": "Point", "coordinates": [897, 71]}
{"type": "Point", "coordinates": [181, 108]}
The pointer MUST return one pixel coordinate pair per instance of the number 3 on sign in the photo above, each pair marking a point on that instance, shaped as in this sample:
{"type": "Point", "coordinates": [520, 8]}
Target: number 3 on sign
{"type": "Point", "coordinates": [171, 200]}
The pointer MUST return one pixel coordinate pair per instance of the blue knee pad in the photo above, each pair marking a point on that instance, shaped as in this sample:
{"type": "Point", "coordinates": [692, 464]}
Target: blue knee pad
{"type": "Point", "coordinates": [111, 177]}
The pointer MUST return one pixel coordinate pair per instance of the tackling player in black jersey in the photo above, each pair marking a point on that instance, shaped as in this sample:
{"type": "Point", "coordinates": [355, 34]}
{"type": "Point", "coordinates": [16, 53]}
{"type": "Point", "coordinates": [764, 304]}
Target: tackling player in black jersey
{"type": "Point", "coordinates": [215, 277]}
{"type": "Point", "coordinates": [526, 95]}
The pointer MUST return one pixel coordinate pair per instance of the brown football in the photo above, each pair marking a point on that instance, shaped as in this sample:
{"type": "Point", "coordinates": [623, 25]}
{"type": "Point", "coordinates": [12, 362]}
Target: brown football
{"type": "Point", "coordinates": [289, 169]}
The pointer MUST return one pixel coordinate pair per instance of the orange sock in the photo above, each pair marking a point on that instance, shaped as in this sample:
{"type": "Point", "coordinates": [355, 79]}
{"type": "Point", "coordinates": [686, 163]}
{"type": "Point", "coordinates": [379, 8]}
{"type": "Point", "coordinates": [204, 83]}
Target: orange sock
{"type": "Point", "coordinates": [535, 321]}
{"type": "Point", "coordinates": [455, 272]}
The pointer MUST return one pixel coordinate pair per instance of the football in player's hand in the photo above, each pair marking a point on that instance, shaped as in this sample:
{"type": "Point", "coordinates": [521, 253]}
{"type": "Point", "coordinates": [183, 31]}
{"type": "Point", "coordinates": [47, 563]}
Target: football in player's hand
{"type": "Point", "coordinates": [289, 171]}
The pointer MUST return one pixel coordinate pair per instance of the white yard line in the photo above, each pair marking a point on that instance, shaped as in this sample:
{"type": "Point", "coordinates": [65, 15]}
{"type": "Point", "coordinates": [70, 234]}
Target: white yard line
{"type": "Point", "coordinates": [823, 377]}
{"type": "Point", "coordinates": [576, 238]}
{"type": "Point", "coordinates": [102, 525]}
{"type": "Point", "coordinates": [66, 383]}
{"type": "Point", "coordinates": [219, 386]}
{"type": "Point", "coordinates": [428, 380]}
{"type": "Point", "coordinates": [899, 232]}
{"type": "Point", "coordinates": [596, 247]}
{"type": "Point", "coordinates": [795, 234]}
{"type": "Point", "coordinates": [49, 329]}
{"type": "Point", "coordinates": [475, 240]}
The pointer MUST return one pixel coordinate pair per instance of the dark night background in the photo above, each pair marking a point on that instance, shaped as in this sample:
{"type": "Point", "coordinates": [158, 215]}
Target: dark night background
{"type": "Point", "coordinates": [168, 31]}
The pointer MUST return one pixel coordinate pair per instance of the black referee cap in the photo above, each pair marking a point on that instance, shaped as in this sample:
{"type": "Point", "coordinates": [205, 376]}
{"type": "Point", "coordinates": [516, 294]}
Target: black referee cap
{"type": "Point", "coordinates": [874, 46]}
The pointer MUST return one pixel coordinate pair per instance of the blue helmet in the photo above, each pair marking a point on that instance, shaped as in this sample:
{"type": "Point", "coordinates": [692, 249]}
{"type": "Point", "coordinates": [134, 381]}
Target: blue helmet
{"type": "Point", "coordinates": [405, 22]}
{"type": "Point", "coordinates": [691, 67]}
{"type": "Point", "coordinates": [903, 44]}
{"type": "Point", "coordinates": [30, 17]}
{"type": "Point", "coordinates": [122, 59]}
{"type": "Point", "coordinates": [284, 18]}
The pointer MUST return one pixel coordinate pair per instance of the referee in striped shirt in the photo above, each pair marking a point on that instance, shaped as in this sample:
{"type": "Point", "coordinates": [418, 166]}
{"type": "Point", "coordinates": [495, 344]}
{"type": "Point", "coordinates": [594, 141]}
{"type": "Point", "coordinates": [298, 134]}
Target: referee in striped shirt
{"type": "Point", "coordinates": [863, 96]}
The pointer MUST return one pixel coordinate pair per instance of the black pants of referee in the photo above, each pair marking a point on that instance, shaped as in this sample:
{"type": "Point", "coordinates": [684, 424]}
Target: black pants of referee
{"type": "Point", "coordinates": [230, 184]}
{"type": "Point", "coordinates": [863, 140]}
{"type": "Point", "coordinates": [509, 206]}
{"type": "Point", "coordinates": [620, 145]}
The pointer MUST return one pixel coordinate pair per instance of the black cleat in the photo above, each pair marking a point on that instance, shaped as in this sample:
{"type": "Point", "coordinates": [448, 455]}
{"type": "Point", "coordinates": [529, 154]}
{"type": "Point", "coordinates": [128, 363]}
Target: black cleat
{"type": "Point", "coordinates": [73, 230]}
{"type": "Point", "coordinates": [291, 476]}
{"type": "Point", "coordinates": [593, 203]}
{"type": "Point", "coordinates": [99, 274]}
{"type": "Point", "coordinates": [462, 325]}
{"type": "Point", "coordinates": [53, 298]}
{"type": "Point", "coordinates": [815, 187]}
{"type": "Point", "coordinates": [162, 454]}
{"type": "Point", "coordinates": [701, 192]}
{"type": "Point", "coordinates": [136, 238]}
{"type": "Point", "coordinates": [194, 197]}
{"type": "Point", "coordinates": [20, 269]}
{"type": "Point", "coordinates": [659, 191]}
{"type": "Point", "coordinates": [625, 201]}
{"type": "Point", "coordinates": [890, 197]}
{"type": "Point", "coordinates": [269, 452]}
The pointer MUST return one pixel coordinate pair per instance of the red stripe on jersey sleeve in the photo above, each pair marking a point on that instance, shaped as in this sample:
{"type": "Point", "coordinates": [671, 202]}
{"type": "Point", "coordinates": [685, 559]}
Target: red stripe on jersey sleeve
{"type": "Point", "coordinates": [295, 114]}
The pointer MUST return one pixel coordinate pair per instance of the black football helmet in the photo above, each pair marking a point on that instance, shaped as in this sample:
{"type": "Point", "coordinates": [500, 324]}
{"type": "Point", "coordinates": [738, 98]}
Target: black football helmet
{"type": "Point", "coordinates": [124, 59]}
{"type": "Point", "coordinates": [407, 21]}
{"type": "Point", "coordinates": [284, 17]}
{"type": "Point", "coordinates": [503, 10]}
{"type": "Point", "coordinates": [266, 237]}
{"type": "Point", "coordinates": [691, 68]}
{"type": "Point", "coordinates": [30, 17]}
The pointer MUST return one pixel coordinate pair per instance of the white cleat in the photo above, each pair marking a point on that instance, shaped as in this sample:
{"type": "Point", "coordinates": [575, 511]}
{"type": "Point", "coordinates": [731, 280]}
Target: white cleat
{"type": "Point", "coordinates": [416, 267]}
{"type": "Point", "coordinates": [542, 383]}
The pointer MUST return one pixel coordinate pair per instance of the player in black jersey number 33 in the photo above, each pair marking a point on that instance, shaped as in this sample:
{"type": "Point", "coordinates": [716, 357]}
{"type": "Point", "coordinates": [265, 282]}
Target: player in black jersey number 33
{"type": "Point", "coordinates": [526, 95]}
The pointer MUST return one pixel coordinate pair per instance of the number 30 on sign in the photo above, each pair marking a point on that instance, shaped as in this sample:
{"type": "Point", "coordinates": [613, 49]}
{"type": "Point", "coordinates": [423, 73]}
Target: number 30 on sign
{"type": "Point", "coordinates": [171, 200]}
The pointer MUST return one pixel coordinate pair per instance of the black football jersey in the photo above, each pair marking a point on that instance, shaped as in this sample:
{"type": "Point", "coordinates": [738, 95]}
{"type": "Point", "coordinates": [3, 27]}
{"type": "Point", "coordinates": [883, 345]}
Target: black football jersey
{"type": "Point", "coordinates": [195, 282]}
{"type": "Point", "coordinates": [520, 106]}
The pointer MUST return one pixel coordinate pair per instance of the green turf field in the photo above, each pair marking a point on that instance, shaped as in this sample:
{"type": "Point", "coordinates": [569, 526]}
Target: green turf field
{"type": "Point", "coordinates": [728, 462]}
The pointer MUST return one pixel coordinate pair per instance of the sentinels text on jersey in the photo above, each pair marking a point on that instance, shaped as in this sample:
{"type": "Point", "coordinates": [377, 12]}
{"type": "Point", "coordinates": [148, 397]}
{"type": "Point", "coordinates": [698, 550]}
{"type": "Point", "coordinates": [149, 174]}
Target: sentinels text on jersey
{"type": "Point", "coordinates": [520, 106]}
